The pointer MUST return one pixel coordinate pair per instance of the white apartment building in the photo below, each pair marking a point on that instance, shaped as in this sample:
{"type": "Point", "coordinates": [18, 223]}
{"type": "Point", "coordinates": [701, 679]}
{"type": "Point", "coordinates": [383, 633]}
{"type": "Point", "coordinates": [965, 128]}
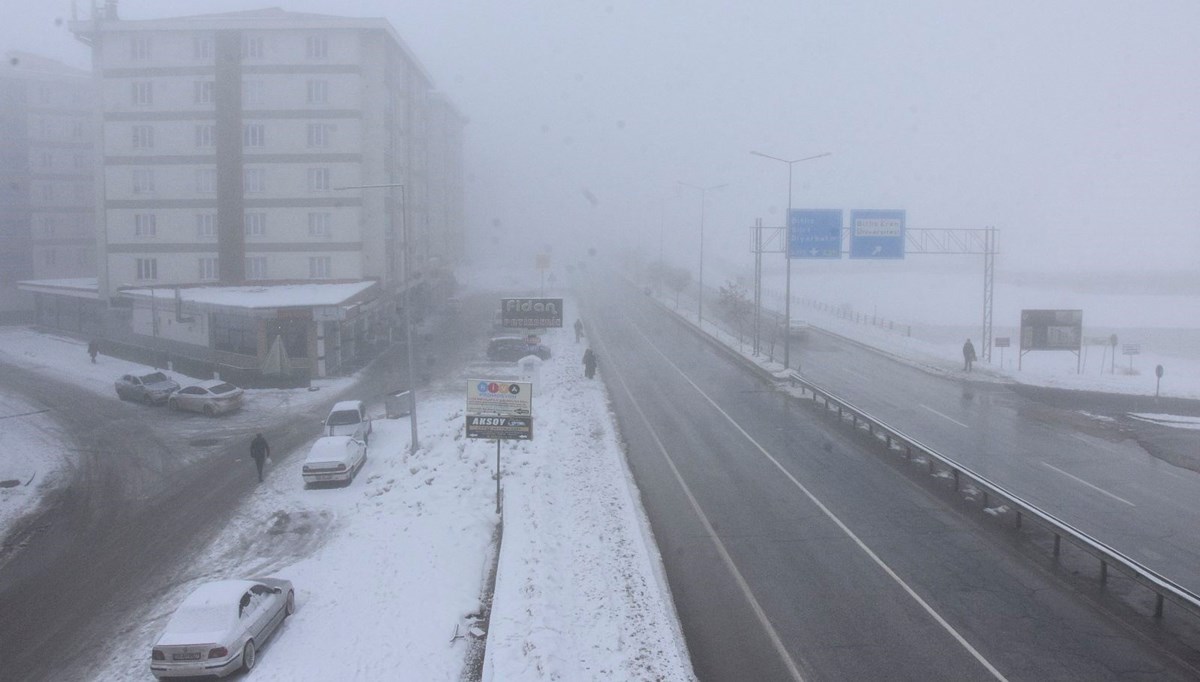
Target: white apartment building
{"type": "Point", "coordinates": [235, 151]}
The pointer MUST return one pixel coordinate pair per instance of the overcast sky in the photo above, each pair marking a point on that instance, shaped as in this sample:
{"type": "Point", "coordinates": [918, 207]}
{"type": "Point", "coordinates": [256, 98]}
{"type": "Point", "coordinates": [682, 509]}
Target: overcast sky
{"type": "Point", "coordinates": [1072, 127]}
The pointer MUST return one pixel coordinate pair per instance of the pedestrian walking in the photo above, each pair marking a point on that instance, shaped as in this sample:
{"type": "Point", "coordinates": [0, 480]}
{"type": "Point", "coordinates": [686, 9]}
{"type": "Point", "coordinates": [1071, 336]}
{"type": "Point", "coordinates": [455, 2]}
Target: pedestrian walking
{"type": "Point", "coordinates": [260, 451]}
{"type": "Point", "coordinates": [968, 355]}
{"type": "Point", "coordinates": [93, 349]}
{"type": "Point", "coordinates": [589, 363]}
{"type": "Point", "coordinates": [578, 329]}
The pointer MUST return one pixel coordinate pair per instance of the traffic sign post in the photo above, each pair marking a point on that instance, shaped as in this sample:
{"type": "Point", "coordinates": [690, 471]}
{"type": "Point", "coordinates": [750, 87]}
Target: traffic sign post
{"type": "Point", "coordinates": [1001, 342]}
{"type": "Point", "coordinates": [1158, 373]}
{"type": "Point", "coordinates": [1131, 349]}
{"type": "Point", "coordinates": [877, 233]}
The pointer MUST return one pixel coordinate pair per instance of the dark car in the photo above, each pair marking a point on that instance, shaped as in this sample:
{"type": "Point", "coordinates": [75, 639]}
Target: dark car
{"type": "Point", "coordinates": [513, 348]}
{"type": "Point", "coordinates": [155, 387]}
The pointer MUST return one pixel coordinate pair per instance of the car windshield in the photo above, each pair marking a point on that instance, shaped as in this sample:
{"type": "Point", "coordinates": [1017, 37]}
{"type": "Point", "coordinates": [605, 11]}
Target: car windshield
{"type": "Point", "coordinates": [343, 417]}
{"type": "Point", "coordinates": [154, 378]}
{"type": "Point", "coordinates": [222, 388]}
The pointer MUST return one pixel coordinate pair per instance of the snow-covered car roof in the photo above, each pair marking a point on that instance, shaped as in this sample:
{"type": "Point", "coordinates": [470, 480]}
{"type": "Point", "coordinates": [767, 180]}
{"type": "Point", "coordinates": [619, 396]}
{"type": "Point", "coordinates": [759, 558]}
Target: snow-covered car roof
{"type": "Point", "coordinates": [346, 405]}
{"type": "Point", "coordinates": [210, 383]}
{"type": "Point", "coordinates": [329, 449]}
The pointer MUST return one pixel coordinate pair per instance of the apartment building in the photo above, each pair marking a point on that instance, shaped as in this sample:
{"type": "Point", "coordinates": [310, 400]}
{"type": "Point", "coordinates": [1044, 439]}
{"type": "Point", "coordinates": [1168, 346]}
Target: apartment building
{"type": "Point", "coordinates": [47, 199]}
{"type": "Point", "coordinates": [270, 148]}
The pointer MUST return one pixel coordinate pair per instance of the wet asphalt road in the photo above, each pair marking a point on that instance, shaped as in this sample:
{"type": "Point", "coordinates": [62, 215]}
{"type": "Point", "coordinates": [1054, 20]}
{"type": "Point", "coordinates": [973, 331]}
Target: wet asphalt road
{"type": "Point", "coordinates": [794, 551]}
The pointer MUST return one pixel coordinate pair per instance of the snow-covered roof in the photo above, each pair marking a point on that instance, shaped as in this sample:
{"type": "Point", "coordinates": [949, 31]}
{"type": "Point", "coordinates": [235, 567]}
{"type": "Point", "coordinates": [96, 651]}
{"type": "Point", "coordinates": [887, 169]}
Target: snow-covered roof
{"type": "Point", "coordinates": [81, 287]}
{"type": "Point", "coordinates": [259, 297]}
{"type": "Point", "coordinates": [217, 593]}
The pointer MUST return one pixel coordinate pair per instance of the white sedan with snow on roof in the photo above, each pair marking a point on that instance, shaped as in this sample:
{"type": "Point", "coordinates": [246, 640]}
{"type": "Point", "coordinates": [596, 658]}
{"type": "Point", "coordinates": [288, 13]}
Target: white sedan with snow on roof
{"type": "Point", "coordinates": [334, 459]}
{"type": "Point", "coordinates": [221, 626]}
{"type": "Point", "coordinates": [208, 397]}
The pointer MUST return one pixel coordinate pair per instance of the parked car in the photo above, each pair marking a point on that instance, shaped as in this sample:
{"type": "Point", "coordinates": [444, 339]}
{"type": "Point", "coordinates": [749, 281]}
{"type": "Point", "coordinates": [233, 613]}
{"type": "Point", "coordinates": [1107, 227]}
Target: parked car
{"type": "Point", "coordinates": [513, 348]}
{"type": "Point", "coordinates": [334, 459]}
{"type": "Point", "coordinates": [147, 388]}
{"type": "Point", "coordinates": [349, 418]}
{"type": "Point", "coordinates": [209, 397]}
{"type": "Point", "coordinates": [220, 627]}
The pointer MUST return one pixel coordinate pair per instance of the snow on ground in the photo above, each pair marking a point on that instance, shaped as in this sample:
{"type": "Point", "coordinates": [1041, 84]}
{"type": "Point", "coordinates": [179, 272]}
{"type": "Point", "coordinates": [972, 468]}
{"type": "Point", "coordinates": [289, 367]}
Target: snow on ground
{"type": "Point", "coordinates": [36, 448]}
{"type": "Point", "coordinates": [1171, 420]}
{"type": "Point", "coordinates": [386, 567]}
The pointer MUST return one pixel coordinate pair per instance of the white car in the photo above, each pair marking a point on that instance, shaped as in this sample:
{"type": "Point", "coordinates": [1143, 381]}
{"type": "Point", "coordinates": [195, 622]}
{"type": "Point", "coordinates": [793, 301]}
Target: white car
{"type": "Point", "coordinates": [349, 418]}
{"type": "Point", "coordinates": [334, 459]}
{"type": "Point", "coordinates": [221, 626]}
{"type": "Point", "coordinates": [211, 397]}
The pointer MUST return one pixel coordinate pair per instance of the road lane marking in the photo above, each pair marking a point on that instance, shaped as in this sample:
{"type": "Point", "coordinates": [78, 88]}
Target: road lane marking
{"type": "Point", "coordinates": [1096, 488]}
{"type": "Point", "coordinates": [825, 510]}
{"type": "Point", "coordinates": [744, 586]}
{"type": "Point", "coordinates": [946, 417]}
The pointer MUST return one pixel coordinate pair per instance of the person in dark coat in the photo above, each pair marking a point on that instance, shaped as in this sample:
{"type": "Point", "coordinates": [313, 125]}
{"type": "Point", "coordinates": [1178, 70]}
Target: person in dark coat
{"type": "Point", "coordinates": [260, 451]}
{"type": "Point", "coordinates": [589, 363]}
{"type": "Point", "coordinates": [578, 329]}
{"type": "Point", "coordinates": [93, 349]}
{"type": "Point", "coordinates": [968, 355]}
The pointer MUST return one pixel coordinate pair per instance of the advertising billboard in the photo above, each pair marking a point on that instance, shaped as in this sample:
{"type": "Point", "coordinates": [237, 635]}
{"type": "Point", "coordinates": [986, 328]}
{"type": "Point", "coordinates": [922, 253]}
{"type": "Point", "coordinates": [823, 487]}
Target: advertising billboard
{"type": "Point", "coordinates": [533, 313]}
{"type": "Point", "coordinates": [1051, 330]}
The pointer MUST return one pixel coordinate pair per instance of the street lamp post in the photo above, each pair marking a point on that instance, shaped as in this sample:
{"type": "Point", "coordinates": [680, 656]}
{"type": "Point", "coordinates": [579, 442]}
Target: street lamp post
{"type": "Point", "coordinates": [700, 297]}
{"type": "Point", "coordinates": [787, 221]}
{"type": "Point", "coordinates": [408, 342]}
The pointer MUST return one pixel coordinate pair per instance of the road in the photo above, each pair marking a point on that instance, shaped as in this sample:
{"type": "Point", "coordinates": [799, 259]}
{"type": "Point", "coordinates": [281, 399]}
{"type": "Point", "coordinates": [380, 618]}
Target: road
{"type": "Point", "coordinates": [148, 488]}
{"type": "Point", "coordinates": [795, 552]}
{"type": "Point", "coordinates": [1092, 473]}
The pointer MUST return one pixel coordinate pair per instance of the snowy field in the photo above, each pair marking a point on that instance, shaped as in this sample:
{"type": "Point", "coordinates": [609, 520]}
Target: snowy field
{"type": "Point", "coordinates": [387, 567]}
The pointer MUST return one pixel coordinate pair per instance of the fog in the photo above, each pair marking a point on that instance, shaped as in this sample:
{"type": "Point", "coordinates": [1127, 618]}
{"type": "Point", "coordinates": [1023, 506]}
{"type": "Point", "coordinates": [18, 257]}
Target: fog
{"type": "Point", "coordinates": [1070, 127]}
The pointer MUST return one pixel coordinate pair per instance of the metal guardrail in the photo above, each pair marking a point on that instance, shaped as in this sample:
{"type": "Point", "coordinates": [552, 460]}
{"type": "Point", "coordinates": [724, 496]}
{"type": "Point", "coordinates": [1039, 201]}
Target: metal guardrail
{"type": "Point", "coordinates": [1163, 587]}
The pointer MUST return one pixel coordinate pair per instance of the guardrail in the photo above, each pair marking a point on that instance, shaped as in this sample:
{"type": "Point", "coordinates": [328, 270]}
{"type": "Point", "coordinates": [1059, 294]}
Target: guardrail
{"type": "Point", "coordinates": [1163, 587]}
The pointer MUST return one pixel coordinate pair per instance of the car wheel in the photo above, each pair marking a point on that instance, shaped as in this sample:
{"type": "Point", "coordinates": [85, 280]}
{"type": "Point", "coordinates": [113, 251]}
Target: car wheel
{"type": "Point", "coordinates": [121, 396]}
{"type": "Point", "coordinates": [290, 607]}
{"type": "Point", "coordinates": [209, 411]}
{"type": "Point", "coordinates": [147, 399]}
{"type": "Point", "coordinates": [248, 656]}
{"type": "Point", "coordinates": [173, 404]}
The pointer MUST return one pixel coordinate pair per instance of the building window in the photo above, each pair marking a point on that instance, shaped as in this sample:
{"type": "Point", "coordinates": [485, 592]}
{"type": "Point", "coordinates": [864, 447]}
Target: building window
{"type": "Point", "coordinates": [254, 180]}
{"type": "Point", "coordinates": [318, 92]}
{"type": "Point", "coordinates": [79, 192]}
{"type": "Point", "coordinates": [318, 225]}
{"type": "Point", "coordinates": [316, 47]}
{"type": "Point", "coordinates": [202, 92]}
{"type": "Point", "coordinates": [48, 192]}
{"type": "Point", "coordinates": [80, 161]}
{"type": "Point", "coordinates": [254, 135]}
{"type": "Point", "coordinates": [319, 267]}
{"type": "Point", "coordinates": [202, 48]}
{"type": "Point", "coordinates": [139, 48]}
{"type": "Point", "coordinates": [206, 226]}
{"type": "Point", "coordinates": [147, 269]}
{"type": "Point", "coordinates": [143, 137]}
{"type": "Point", "coordinates": [47, 225]}
{"type": "Point", "coordinates": [83, 258]}
{"type": "Point", "coordinates": [255, 224]}
{"type": "Point", "coordinates": [256, 267]}
{"type": "Point", "coordinates": [208, 269]}
{"type": "Point", "coordinates": [145, 225]}
{"type": "Point", "coordinates": [143, 181]}
{"type": "Point", "coordinates": [234, 333]}
{"type": "Point", "coordinates": [49, 256]}
{"type": "Point", "coordinates": [252, 47]}
{"type": "Point", "coordinates": [253, 94]}
{"type": "Point", "coordinates": [78, 128]}
{"type": "Point", "coordinates": [143, 93]}
{"type": "Point", "coordinates": [206, 180]}
{"type": "Point", "coordinates": [318, 179]}
{"type": "Point", "coordinates": [319, 134]}
{"type": "Point", "coordinates": [45, 160]}
{"type": "Point", "coordinates": [206, 135]}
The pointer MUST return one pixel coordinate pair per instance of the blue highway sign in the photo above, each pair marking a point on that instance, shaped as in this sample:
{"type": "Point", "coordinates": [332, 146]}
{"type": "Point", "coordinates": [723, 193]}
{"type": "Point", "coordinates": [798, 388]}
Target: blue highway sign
{"type": "Point", "coordinates": [876, 233]}
{"type": "Point", "coordinates": [815, 233]}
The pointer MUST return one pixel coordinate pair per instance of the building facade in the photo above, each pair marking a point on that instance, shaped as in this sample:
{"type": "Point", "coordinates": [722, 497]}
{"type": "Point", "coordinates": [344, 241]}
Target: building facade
{"type": "Point", "coordinates": [47, 199]}
{"type": "Point", "coordinates": [272, 148]}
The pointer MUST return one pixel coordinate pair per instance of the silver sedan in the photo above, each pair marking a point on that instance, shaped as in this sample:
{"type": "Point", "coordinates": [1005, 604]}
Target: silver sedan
{"type": "Point", "coordinates": [221, 626]}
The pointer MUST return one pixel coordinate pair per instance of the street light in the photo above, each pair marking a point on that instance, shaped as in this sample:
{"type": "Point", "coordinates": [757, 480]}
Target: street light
{"type": "Point", "coordinates": [787, 231]}
{"type": "Point", "coordinates": [408, 342]}
{"type": "Point", "coordinates": [700, 297]}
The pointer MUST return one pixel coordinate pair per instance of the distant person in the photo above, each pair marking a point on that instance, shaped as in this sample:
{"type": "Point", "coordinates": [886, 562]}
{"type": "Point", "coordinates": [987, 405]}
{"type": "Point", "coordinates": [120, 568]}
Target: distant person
{"type": "Point", "coordinates": [93, 349]}
{"type": "Point", "coordinates": [260, 451]}
{"type": "Point", "coordinates": [578, 329]}
{"type": "Point", "coordinates": [968, 355]}
{"type": "Point", "coordinates": [589, 363]}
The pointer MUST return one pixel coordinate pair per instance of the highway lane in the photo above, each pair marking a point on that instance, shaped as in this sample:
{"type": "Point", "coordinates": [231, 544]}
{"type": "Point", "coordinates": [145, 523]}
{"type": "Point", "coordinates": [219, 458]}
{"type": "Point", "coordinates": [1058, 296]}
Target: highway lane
{"type": "Point", "coordinates": [1090, 474]}
{"type": "Point", "coordinates": [793, 552]}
